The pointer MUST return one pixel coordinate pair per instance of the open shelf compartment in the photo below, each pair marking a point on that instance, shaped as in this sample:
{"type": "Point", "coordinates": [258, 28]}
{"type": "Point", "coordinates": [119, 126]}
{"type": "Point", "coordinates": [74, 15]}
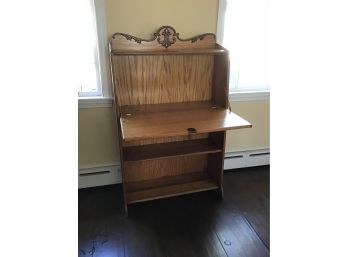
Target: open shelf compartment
{"type": "Point", "coordinates": [169, 186]}
{"type": "Point", "coordinates": [165, 150]}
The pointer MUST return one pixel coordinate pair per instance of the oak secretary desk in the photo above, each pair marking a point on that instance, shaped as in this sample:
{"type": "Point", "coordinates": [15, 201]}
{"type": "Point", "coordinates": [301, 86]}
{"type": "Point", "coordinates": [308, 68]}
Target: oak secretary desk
{"type": "Point", "coordinates": [172, 107]}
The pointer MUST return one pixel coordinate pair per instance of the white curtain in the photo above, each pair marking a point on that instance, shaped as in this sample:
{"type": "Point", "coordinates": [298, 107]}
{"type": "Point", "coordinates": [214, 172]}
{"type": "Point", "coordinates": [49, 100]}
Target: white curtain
{"type": "Point", "coordinates": [246, 36]}
{"type": "Point", "coordinates": [88, 50]}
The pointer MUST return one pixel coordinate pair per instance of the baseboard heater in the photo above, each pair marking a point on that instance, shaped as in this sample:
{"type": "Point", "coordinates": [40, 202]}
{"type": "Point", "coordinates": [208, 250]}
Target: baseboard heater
{"type": "Point", "coordinates": [243, 159]}
{"type": "Point", "coordinates": [100, 175]}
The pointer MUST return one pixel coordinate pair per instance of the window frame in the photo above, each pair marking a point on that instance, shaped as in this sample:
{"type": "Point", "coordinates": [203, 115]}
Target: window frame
{"type": "Point", "coordinates": [240, 95]}
{"type": "Point", "coordinates": [104, 98]}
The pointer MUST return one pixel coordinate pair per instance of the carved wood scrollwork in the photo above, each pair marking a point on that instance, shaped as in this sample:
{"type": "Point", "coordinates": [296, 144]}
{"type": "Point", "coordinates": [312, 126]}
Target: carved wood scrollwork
{"type": "Point", "coordinates": [165, 36]}
{"type": "Point", "coordinates": [129, 37]}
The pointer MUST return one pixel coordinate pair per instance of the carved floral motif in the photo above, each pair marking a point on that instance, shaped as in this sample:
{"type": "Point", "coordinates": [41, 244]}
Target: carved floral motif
{"type": "Point", "coordinates": [169, 38]}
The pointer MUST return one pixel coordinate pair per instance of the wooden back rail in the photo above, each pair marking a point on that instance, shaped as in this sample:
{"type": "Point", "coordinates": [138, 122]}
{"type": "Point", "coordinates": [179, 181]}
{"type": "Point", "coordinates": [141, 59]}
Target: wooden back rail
{"type": "Point", "coordinates": [165, 38]}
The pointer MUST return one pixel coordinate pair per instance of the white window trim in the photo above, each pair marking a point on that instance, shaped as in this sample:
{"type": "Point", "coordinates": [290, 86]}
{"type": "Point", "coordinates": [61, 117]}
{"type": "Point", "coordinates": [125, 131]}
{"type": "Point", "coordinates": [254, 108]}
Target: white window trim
{"type": "Point", "coordinates": [244, 95]}
{"type": "Point", "coordinates": [104, 67]}
{"type": "Point", "coordinates": [249, 96]}
{"type": "Point", "coordinates": [95, 102]}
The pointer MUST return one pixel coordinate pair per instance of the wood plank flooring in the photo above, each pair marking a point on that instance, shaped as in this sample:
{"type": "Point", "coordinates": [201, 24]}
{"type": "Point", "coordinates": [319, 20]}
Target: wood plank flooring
{"type": "Point", "coordinates": [195, 225]}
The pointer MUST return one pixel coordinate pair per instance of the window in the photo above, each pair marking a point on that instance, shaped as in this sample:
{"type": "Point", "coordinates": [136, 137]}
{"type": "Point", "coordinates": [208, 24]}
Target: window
{"type": "Point", "coordinates": [94, 84]}
{"type": "Point", "coordinates": [89, 83]}
{"type": "Point", "coordinates": [243, 29]}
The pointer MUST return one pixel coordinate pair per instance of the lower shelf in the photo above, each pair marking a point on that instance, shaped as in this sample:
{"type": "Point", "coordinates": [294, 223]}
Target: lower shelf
{"type": "Point", "coordinates": [169, 186]}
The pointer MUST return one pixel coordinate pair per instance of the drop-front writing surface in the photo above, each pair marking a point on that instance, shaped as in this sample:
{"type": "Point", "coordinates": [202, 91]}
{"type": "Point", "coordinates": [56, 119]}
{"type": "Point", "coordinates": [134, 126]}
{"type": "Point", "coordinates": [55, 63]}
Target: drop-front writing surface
{"type": "Point", "coordinates": [176, 123]}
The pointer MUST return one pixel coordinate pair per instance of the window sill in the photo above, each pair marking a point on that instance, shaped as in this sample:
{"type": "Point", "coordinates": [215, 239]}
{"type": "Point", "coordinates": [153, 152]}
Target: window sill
{"type": "Point", "coordinates": [249, 96]}
{"type": "Point", "coordinates": [95, 102]}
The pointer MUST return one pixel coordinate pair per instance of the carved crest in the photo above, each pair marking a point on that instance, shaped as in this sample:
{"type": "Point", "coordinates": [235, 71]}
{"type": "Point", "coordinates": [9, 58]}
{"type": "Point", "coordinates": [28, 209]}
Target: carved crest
{"type": "Point", "coordinates": [166, 36]}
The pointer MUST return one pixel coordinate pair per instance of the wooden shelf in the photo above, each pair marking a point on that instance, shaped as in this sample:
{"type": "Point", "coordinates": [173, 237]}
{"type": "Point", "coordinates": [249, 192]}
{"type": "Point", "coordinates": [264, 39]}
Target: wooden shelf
{"type": "Point", "coordinates": [170, 52]}
{"type": "Point", "coordinates": [169, 186]}
{"type": "Point", "coordinates": [144, 125]}
{"type": "Point", "coordinates": [165, 150]}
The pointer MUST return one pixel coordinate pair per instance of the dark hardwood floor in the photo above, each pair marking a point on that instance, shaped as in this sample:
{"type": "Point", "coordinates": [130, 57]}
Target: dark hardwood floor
{"type": "Point", "coordinates": [196, 225]}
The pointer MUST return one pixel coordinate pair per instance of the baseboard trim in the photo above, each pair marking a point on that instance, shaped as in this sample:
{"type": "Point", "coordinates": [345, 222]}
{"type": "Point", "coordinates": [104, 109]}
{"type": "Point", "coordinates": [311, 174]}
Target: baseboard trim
{"type": "Point", "coordinates": [109, 174]}
{"type": "Point", "coordinates": [100, 175]}
{"type": "Point", "coordinates": [244, 159]}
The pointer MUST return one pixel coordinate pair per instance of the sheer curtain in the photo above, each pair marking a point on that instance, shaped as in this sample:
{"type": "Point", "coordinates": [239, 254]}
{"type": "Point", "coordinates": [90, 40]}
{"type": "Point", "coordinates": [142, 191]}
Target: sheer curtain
{"type": "Point", "coordinates": [88, 50]}
{"type": "Point", "coordinates": [246, 35]}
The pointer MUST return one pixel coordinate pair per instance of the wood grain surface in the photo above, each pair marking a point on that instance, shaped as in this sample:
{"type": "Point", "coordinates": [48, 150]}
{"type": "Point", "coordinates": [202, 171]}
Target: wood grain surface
{"type": "Point", "coordinates": [171, 52]}
{"type": "Point", "coordinates": [158, 151]}
{"type": "Point", "coordinates": [171, 190]}
{"type": "Point", "coordinates": [175, 123]}
{"type": "Point", "coordinates": [159, 168]}
{"type": "Point", "coordinates": [162, 79]}
{"type": "Point", "coordinates": [160, 140]}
